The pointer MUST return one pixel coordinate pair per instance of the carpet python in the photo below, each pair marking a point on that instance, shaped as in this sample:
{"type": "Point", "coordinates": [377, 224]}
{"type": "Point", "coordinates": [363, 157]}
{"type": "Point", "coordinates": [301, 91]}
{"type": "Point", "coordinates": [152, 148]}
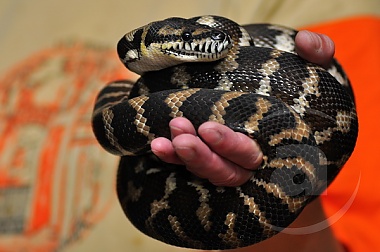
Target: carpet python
{"type": "Point", "coordinates": [249, 78]}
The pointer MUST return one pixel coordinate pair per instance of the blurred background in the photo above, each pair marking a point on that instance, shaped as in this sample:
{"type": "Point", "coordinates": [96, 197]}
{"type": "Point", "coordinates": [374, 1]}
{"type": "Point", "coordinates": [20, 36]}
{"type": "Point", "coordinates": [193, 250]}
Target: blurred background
{"type": "Point", "coordinates": [56, 184]}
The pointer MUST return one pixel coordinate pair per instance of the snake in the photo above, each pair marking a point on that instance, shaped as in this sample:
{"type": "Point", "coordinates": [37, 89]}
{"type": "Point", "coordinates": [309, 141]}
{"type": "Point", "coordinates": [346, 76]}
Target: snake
{"type": "Point", "coordinates": [249, 78]}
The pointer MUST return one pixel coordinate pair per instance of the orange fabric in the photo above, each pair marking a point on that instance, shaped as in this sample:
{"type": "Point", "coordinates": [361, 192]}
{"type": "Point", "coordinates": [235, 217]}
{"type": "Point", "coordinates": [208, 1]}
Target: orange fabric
{"type": "Point", "coordinates": [357, 43]}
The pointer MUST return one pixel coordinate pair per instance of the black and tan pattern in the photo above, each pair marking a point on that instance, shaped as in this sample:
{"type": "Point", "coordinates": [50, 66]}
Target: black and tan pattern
{"type": "Point", "coordinates": [248, 78]}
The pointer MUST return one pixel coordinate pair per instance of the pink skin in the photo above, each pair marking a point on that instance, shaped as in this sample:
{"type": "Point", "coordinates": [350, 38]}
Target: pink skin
{"type": "Point", "coordinates": [215, 152]}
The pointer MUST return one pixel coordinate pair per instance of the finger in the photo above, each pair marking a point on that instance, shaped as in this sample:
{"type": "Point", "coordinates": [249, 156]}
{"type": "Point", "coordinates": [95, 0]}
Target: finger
{"type": "Point", "coordinates": [181, 125]}
{"type": "Point", "coordinates": [163, 147]}
{"type": "Point", "coordinates": [233, 146]}
{"type": "Point", "coordinates": [203, 162]}
{"type": "Point", "coordinates": [314, 47]}
{"type": "Point", "coordinates": [164, 150]}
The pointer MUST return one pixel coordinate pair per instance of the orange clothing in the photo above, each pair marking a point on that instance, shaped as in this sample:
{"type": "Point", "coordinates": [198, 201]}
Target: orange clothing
{"type": "Point", "coordinates": [357, 43]}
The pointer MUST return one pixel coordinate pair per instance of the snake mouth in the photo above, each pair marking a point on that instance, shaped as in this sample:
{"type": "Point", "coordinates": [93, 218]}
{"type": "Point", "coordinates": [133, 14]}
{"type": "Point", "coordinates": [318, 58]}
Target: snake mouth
{"type": "Point", "coordinates": [206, 49]}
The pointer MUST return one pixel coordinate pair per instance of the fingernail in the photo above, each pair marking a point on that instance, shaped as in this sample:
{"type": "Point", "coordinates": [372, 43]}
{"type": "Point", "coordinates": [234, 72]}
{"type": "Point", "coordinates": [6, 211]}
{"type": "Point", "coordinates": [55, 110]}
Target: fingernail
{"type": "Point", "coordinates": [158, 153]}
{"type": "Point", "coordinates": [185, 153]}
{"type": "Point", "coordinates": [175, 131]}
{"type": "Point", "coordinates": [212, 136]}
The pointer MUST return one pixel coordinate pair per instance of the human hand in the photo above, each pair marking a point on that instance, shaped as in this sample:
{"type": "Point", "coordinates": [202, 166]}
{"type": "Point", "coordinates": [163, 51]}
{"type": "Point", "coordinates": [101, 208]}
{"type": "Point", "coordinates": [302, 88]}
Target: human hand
{"type": "Point", "coordinates": [215, 152]}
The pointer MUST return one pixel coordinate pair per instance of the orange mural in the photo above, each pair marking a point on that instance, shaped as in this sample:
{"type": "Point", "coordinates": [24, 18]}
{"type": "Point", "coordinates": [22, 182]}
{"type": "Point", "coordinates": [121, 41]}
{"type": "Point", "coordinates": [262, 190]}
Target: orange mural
{"type": "Point", "coordinates": [55, 180]}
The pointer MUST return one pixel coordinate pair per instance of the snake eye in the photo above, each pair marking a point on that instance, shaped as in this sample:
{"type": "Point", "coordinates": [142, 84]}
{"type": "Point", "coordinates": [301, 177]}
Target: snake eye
{"type": "Point", "coordinates": [186, 36]}
{"type": "Point", "coordinates": [217, 35]}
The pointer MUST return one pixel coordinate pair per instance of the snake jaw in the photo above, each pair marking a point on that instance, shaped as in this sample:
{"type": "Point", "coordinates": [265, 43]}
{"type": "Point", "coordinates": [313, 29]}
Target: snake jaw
{"type": "Point", "coordinates": [163, 54]}
{"type": "Point", "coordinates": [171, 42]}
{"type": "Point", "coordinates": [197, 50]}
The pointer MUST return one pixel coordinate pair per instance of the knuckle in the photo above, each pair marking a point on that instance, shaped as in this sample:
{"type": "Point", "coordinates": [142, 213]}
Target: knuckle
{"type": "Point", "coordinates": [232, 178]}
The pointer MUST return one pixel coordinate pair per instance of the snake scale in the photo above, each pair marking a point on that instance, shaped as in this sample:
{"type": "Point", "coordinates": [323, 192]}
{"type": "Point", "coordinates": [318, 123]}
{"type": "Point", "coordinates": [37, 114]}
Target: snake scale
{"type": "Point", "coordinates": [249, 78]}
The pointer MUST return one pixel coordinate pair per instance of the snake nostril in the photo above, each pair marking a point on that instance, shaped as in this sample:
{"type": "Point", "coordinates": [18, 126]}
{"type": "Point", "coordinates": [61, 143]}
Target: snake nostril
{"type": "Point", "coordinates": [218, 35]}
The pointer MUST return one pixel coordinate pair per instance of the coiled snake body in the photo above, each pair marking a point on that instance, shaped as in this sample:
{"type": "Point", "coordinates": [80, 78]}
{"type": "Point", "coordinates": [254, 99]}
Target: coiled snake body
{"type": "Point", "coordinates": [249, 78]}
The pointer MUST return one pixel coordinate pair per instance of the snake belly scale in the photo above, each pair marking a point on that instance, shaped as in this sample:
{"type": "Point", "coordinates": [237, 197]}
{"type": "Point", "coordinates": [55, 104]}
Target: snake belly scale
{"type": "Point", "coordinates": [249, 78]}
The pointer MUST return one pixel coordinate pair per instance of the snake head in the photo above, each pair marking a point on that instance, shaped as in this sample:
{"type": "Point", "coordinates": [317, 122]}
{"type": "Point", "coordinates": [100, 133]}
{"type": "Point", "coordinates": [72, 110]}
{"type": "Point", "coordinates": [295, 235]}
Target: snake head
{"type": "Point", "coordinates": [170, 42]}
